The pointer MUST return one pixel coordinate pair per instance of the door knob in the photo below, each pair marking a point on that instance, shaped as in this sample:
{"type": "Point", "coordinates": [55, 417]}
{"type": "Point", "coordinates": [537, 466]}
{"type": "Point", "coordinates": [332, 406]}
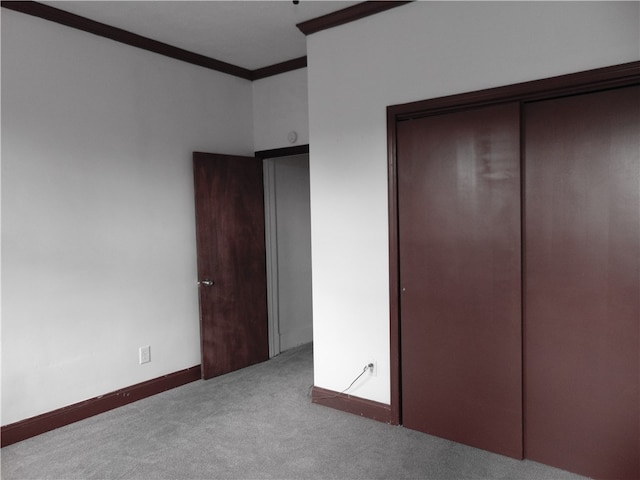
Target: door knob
{"type": "Point", "coordinates": [206, 283]}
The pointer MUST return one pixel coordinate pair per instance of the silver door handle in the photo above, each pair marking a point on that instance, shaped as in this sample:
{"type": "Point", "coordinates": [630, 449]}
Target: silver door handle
{"type": "Point", "coordinates": [206, 283]}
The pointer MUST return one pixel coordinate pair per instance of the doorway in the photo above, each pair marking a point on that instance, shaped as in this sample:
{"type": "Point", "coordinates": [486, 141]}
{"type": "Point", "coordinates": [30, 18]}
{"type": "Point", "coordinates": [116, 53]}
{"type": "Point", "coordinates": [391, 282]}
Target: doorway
{"type": "Point", "coordinates": [288, 246]}
{"type": "Point", "coordinates": [253, 234]}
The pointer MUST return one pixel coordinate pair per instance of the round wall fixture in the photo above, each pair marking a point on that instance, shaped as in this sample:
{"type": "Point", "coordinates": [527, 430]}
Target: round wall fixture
{"type": "Point", "coordinates": [293, 136]}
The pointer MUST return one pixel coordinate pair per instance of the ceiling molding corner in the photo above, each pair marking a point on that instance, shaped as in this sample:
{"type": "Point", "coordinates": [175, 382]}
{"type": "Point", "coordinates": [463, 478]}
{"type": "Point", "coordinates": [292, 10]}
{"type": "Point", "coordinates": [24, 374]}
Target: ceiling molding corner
{"type": "Point", "coordinates": [278, 68]}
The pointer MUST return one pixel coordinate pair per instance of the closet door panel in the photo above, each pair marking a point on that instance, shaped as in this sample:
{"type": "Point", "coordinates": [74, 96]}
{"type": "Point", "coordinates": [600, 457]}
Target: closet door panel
{"type": "Point", "coordinates": [582, 289]}
{"type": "Point", "coordinates": [460, 274]}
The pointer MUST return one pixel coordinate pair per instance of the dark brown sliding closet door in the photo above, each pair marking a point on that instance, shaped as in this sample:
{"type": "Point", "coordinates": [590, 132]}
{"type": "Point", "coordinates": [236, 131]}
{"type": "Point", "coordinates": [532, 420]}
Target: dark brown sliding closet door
{"type": "Point", "coordinates": [582, 310]}
{"type": "Point", "coordinates": [460, 274]}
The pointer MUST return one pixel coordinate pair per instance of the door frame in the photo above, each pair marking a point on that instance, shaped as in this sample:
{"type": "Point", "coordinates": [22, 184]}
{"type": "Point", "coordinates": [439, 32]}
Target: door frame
{"type": "Point", "coordinates": [575, 83]}
{"type": "Point", "coordinates": [271, 242]}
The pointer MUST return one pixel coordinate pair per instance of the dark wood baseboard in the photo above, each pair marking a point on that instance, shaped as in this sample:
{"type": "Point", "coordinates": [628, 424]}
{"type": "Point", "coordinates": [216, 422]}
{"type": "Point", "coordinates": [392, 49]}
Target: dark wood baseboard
{"type": "Point", "coordinates": [350, 404]}
{"type": "Point", "coordinates": [30, 427]}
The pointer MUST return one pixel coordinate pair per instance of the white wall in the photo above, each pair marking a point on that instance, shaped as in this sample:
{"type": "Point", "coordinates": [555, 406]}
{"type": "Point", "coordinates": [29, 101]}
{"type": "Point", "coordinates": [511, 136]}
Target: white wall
{"type": "Point", "coordinates": [413, 52]}
{"type": "Point", "coordinates": [280, 106]}
{"type": "Point", "coordinates": [98, 240]}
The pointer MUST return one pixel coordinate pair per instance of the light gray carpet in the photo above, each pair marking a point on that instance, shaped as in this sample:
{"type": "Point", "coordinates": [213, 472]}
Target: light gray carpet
{"type": "Point", "coordinates": [257, 423]}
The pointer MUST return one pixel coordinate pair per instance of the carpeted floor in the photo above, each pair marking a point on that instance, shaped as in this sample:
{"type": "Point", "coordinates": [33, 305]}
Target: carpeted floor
{"type": "Point", "coordinates": [257, 423]}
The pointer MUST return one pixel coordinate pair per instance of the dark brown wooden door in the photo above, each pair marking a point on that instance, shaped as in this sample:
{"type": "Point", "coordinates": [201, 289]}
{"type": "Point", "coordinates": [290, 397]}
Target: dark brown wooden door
{"type": "Point", "coordinates": [582, 297]}
{"type": "Point", "coordinates": [460, 275]}
{"type": "Point", "coordinates": [229, 203]}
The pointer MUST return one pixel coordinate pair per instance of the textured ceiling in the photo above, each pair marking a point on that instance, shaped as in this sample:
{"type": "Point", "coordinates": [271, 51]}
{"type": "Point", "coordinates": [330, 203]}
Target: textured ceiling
{"type": "Point", "coordinates": [249, 34]}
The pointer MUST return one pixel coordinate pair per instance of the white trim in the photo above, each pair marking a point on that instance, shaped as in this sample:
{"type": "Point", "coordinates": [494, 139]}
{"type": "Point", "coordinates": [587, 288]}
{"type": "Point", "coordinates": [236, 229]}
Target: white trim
{"type": "Point", "coordinates": [271, 243]}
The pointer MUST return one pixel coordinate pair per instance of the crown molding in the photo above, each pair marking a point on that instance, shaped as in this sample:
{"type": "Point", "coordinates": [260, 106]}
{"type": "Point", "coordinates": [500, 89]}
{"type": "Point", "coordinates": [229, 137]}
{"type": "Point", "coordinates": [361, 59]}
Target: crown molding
{"type": "Point", "coordinates": [78, 22]}
{"type": "Point", "coordinates": [119, 35]}
{"type": "Point", "coordinates": [346, 15]}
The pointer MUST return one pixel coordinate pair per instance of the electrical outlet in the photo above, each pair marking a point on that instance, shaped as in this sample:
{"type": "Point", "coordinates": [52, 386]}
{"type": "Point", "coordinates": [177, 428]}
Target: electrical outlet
{"type": "Point", "coordinates": [145, 354]}
{"type": "Point", "coordinates": [373, 368]}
